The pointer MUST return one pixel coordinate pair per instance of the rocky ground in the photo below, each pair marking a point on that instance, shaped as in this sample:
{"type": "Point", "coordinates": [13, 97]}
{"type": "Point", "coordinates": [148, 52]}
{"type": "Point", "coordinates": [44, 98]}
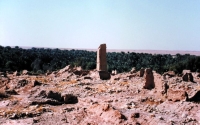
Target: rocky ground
{"type": "Point", "coordinates": [73, 96]}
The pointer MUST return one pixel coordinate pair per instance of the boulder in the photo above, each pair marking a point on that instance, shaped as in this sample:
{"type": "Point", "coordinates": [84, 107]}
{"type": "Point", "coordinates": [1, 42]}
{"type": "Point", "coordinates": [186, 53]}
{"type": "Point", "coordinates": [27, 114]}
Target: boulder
{"type": "Point", "coordinates": [149, 79]}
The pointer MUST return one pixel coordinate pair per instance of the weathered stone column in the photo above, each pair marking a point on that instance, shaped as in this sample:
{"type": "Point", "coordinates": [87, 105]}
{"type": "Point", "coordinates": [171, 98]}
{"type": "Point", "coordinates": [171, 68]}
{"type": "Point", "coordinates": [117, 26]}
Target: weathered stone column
{"type": "Point", "coordinates": [101, 58]}
{"type": "Point", "coordinates": [149, 79]}
{"type": "Point", "coordinates": [102, 63]}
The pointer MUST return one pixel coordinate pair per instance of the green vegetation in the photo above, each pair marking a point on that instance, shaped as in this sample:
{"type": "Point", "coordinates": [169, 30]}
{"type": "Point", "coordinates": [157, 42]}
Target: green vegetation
{"type": "Point", "coordinates": [41, 60]}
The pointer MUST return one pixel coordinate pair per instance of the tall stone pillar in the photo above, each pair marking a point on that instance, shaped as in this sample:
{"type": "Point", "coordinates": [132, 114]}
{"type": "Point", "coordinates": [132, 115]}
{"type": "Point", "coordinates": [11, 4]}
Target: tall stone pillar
{"type": "Point", "coordinates": [101, 58]}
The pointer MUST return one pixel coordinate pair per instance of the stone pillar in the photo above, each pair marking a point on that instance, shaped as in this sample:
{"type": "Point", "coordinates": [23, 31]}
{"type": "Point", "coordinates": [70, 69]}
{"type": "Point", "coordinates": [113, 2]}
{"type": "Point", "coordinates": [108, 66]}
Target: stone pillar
{"type": "Point", "coordinates": [149, 79]}
{"type": "Point", "coordinates": [101, 58]}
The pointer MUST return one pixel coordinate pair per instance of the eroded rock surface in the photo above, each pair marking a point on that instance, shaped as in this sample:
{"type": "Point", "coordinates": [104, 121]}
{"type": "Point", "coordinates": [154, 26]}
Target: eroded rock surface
{"type": "Point", "coordinates": [74, 96]}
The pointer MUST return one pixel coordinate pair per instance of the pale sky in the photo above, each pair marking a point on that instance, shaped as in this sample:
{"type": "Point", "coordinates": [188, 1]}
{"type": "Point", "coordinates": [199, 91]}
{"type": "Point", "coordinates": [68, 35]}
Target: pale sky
{"type": "Point", "coordinates": [121, 24]}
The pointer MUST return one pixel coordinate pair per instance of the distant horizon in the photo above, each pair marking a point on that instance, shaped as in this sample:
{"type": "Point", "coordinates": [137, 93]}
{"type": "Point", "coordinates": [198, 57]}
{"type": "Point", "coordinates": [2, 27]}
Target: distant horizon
{"type": "Point", "coordinates": [172, 52]}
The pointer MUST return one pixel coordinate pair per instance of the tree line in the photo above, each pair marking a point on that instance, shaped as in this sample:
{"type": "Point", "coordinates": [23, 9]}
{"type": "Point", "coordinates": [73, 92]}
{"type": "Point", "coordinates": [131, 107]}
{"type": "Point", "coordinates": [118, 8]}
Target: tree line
{"type": "Point", "coordinates": [40, 60]}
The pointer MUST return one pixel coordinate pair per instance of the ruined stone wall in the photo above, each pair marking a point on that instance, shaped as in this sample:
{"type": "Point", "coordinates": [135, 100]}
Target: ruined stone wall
{"type": "Point", "coordinates": [101, 58]}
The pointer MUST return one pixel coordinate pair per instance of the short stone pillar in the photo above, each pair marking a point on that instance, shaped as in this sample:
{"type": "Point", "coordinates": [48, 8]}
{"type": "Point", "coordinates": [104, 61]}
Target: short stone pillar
{"type": "Point", "coordinates": [101, 58]}
{"type": "Point", "coordinates": [188, 77]}
{"type": "Point", "coordinates": [149, 79]}
{"type": "Point", "coordinates": [141, 72]}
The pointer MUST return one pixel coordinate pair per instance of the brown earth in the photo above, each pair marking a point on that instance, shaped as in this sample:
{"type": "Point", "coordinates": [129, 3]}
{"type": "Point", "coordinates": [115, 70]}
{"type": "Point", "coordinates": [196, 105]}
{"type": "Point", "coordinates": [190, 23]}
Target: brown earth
{"type": "Point", "coordinates": [73, 96]}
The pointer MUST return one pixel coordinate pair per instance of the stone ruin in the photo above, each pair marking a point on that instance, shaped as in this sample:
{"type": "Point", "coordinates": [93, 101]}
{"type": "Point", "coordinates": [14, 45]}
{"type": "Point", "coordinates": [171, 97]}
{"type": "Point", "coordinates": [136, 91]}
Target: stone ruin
{"type": "Point", "coordinates": [102, 62]}
{"type": "Point", "coordinates": [101, 58]}
{"type": "Point", "coordinates": [187, 76]}
{"type": "Point", "coordinates": [149, 79]}
{"type": "Point", "coordinates": [141, 72]}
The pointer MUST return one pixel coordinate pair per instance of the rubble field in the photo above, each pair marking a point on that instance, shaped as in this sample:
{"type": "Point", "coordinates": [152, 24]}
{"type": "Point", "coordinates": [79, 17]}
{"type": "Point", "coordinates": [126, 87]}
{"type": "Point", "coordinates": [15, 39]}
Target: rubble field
{"type": "Point", "coordinates": [74, 96]}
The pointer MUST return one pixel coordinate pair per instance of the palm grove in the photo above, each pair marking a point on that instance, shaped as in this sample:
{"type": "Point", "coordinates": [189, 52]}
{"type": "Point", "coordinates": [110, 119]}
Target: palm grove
{"type": "Point", "coordinates": [40, 60]}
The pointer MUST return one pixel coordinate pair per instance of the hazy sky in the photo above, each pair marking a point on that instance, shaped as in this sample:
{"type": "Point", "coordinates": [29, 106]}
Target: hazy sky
{"type": "Point", "coordinates": [121, 24]}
